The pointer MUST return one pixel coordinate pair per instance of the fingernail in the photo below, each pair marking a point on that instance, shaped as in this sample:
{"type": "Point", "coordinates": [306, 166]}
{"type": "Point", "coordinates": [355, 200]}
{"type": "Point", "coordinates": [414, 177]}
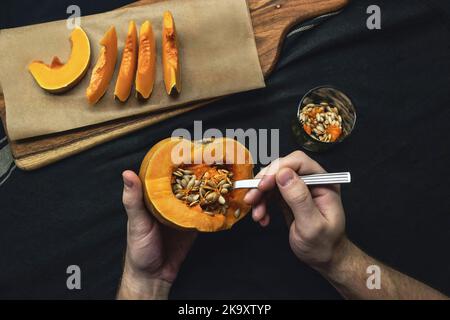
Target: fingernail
{"type": "Point", "coordinates": [285, 177]}
{"type": "Point", "coordinates": [248, 196]}
{"type": "Point", "coordinates": [127, 183]}
{"type": "Point", "coordinates": [262, 182]}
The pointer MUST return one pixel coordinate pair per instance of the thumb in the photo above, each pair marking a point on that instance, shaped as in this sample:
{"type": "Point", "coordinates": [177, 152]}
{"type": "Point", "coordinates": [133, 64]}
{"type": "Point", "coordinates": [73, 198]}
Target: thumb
{"type": "Point", "coordinates": [139, 220]}
{"type": "Point", "coordinates": [296, 194]}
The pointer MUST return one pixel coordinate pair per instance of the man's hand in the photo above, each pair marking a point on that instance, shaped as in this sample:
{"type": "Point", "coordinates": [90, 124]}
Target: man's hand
{"type": "Point", "coordinates": [317, 233]}
{"type": "Point", "coordinates": [154, 252]}
{"type": "Point", "coordinates": [317, 230]}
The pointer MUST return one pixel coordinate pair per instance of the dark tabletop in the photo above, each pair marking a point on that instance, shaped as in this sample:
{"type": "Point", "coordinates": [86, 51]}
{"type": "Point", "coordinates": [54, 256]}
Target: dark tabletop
{"type": "Point", "coordinates": [397, 207]}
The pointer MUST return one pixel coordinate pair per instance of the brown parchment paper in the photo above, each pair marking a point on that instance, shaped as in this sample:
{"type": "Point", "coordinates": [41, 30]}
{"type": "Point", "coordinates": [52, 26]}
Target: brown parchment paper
{"type": "Point", "coordinates": [217, 50]}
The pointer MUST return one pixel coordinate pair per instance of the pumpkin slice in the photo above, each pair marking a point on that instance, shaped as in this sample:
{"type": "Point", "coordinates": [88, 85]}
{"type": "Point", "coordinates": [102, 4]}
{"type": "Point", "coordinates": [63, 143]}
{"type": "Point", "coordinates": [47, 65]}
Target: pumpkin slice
{"type": "Point", "coordinates": [128, 65]}
{"type": "Point", "coordinates": [145, 75]}
{"type": "Point", "coordinates": [59, 77]}
{"type": "Point", "coordinates": [170, 55]}
{"type": "Point", "coordinates": [210, 205]}
{"type": "Point", "coordinates": [104, 68]}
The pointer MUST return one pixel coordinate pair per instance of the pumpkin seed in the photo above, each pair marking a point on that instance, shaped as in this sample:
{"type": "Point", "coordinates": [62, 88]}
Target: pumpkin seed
{"type": "Point", "coordinates": [320, 128]}
{"type": "Point", "coordinates": [212, 184]}
{"type": "Point", "coordinates": [194, 203]}
{"type": "Point", "coordinates": [227, 186]}
{"type": "Point", "coordinates": [179, 195]}
{"type": "Point", "coordinates": [190, 183]}
{"type": "Point", "coordinates": [185, 171]}
{"type": "Point", "coordinates": [224, 191]}
{"type": "Point", "coordinates": [212, 197]}
{"type": "Point", "coordinates": [184, 183]}
{"type": "Point", "coordinates": [221, 200]}
{"type": "Point", "coordinates": [237, 213]}
{"type": "Point", "coordinates": [177, 173]}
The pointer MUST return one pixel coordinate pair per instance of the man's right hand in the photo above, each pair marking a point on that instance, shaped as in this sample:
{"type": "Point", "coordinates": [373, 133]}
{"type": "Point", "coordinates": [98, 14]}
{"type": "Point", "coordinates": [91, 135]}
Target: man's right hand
{"type": "Point", "coordinates": [317, 231]}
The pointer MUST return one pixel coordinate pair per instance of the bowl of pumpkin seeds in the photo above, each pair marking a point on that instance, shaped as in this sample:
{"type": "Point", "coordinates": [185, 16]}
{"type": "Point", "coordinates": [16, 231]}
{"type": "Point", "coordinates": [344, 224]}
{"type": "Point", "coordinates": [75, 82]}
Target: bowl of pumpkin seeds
{"type": "Point", "coordinates": [325, 117]}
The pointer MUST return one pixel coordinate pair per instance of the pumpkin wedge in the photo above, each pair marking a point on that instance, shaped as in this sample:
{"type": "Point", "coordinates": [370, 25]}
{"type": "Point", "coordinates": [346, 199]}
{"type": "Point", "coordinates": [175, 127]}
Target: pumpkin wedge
{"type": "Point", "coordinates": [170, 55]}
{"type": "Point", "coordinates": [146, 69]}
{"type": "Point", "coordinates": [104, 68]}
{"type": "Point", "coordinates": [59, 77]}
{"type": "Point", "coordinates": [128, 65]}
{"type": "Point", "coordinates": [188, 194]}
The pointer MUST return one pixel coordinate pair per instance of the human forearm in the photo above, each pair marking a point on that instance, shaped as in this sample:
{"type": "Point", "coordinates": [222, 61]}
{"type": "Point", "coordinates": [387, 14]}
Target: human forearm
{"type": "Point", "coordinates": [347, 272]}
{"type": "Point", "coordinates": [136, 287]}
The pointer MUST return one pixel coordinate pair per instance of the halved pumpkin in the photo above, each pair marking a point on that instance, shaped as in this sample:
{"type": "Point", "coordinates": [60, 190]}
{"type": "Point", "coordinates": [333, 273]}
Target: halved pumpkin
{"type": "Point", "coordinates": [166, 159]}
{"type": "Point", "coordinates": [170, 55]}
{"type": "Point", "coordinates": [145, 75]}
{"type": "Point", "coordinates": [128, 65]}
{"type": "Point", "coordinates": [104, 68]}
{"type": "Point", "coordinates": [59, 77]}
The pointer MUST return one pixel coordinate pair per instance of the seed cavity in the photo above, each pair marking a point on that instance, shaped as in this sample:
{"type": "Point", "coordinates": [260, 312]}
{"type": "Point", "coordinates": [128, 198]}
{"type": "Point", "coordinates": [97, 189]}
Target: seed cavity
{"type": "Point", "coordinates": [210, 191]}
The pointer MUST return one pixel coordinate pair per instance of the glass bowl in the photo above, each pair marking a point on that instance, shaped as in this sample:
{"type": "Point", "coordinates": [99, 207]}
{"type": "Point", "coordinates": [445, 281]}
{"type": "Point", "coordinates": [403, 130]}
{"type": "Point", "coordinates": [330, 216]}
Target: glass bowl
{"type": "Point", "coordinates": [335, 98]}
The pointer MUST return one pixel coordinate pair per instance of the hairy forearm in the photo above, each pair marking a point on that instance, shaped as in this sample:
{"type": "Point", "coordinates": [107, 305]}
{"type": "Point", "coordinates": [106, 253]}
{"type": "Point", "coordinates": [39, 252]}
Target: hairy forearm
{"type": "Point", "coordinates": [133, 287]}
{"type": "Point", "coordinates": [348, 274]}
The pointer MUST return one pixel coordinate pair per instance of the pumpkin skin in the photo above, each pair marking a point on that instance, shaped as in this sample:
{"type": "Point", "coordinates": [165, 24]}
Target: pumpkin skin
{"type": "Point", "coordinates": [128, 65]}
{"type": "Point", "coordinates": [156, 176]}
{"type": "Point", "coordinates": [170, 55]}
{"type": "Point", "coordinates": [58, 77]}
{"type": "Point", "coordinates": [146, 70]}
{"type": "Point", "coordinates": [104, 68]}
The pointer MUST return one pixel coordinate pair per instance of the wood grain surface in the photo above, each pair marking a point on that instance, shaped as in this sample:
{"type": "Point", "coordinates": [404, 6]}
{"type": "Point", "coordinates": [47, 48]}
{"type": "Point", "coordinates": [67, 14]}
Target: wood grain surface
{"type": "Point", "coordinates": [271, 20]}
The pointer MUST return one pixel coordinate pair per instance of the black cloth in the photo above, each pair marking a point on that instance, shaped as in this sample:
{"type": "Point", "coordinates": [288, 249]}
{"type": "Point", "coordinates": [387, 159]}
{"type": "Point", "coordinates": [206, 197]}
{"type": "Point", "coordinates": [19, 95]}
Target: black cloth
{"type": "Point", "coordinates": [397, 207]}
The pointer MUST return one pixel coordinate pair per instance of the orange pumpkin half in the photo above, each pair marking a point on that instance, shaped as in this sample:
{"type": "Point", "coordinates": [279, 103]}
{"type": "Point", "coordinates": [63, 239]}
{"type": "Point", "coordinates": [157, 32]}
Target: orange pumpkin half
{"type": "Point", "coordinates": [208, 168]}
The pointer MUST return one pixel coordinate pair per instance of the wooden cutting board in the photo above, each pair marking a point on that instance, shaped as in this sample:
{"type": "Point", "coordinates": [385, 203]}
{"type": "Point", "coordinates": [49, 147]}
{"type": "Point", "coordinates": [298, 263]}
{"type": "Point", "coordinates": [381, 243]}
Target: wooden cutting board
{"type": "Point", "coordinates": [271, 21]}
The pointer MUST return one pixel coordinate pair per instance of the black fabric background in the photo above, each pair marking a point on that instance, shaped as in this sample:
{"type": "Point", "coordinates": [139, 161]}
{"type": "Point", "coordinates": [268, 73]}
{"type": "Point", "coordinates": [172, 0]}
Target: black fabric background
{"type": "Point", "coordinates": [397, 207]}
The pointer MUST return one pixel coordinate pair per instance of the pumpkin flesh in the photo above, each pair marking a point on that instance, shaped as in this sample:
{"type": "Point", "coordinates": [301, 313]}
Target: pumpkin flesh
{"type": "Point", "coordinates": [170, 55]}
{"type": "Point", "coordinates": [104, 68]}
{"type": "Point", "coordinates": [128, 65]}
{"type": "Point", "coordinates": [59, 77]}
{"type": "Point", "coordinates": [146, 70]}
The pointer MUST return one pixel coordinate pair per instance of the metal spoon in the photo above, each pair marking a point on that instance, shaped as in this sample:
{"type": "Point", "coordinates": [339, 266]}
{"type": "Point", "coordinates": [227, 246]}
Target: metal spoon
{"type": "Point", "coordinates": [313, 179]}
